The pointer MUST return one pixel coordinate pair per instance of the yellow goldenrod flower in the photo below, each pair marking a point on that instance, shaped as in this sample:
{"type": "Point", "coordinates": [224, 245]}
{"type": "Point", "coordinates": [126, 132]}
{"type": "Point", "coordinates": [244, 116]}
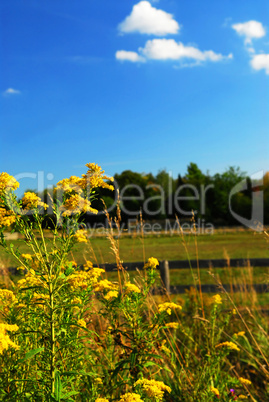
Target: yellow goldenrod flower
{"type": "Point", "coordinates": [76, 204]}
{"type": "Point", "coordinates": [153, 388]}
{"type": "Point", "coordinates": [131, 288]}
{"type": "Point", "coordinates": [105, 285]}
{"type": "Point", "coordinates": [112, 294]}
{"type": "Point", "coordinates": [32, 201]}
{"type": "Point", "coordinates": [81, 236]}
{"type": "Point", "coordinates": [98, 380]}
{"type": "Point", "coordinates": [76, 300]}
{"type": "Point", "coordinates": [242, 397]}
{"type": "Point", "coordinates": [216, 299]}
{"type": "Point", "coordinates": [173, 325]}
{"type": "Point", "coordinates": [7, 182]}
{"type": "Point", "coordinates": [244, 381]}
{"type": "Point", "coordinates": [88, 264]}
{"type": "Point", "coordinates": [228, 345]}
{"type": "Point", "coordinates": [165, 350]}
{"type": "Point", "coordinates": [215, 391]}
{"type": "Point", "coordinates": [27, 256]}
{"type": "Point", "coordinates": [167, 307]}
{"type": "Point", "coordinates": [5, 341]}
{"type": "Point", "coordinates": [152, 263]}
{"type": "Point", "coordinates": [7, 298]}
{"type": "Point", "coordinates": [241, 333]}
{"type": "Point", "coordinates": [7, 218]}
{"type": "Point", "coordinates": [130, 397]}
{"type": "Point", "coordinates": [82, 323]}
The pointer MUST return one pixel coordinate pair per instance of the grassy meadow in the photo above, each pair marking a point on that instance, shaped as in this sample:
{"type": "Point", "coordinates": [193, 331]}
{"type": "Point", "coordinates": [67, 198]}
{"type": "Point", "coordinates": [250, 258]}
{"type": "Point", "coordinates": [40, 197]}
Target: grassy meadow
{"type": "Point", "coordinates": [86, 335]}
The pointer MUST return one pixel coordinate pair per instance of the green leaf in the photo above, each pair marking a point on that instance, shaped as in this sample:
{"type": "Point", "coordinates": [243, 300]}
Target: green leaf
{"type": "Point", "coordinates": [31, 354]}
{"type": "Point", "coordinates": [58, 386]}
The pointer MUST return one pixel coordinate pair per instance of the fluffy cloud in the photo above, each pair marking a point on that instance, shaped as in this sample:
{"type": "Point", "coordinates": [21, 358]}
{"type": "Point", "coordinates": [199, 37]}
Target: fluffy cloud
{"type": "Point", "coordinates": [129, 56]}
{"type": "Point", "coordinates": [11, 91]}
{"type": "Point", "coordinates": [165, 49]}
{"type": "Point", "coordinates": [260, 62]}
{"type": "Point", "coordinates": [251, 30]}
{"type": "Point", "coordinates": [146, 19]}
{"type": "Point", "coordinates": [169, 49]}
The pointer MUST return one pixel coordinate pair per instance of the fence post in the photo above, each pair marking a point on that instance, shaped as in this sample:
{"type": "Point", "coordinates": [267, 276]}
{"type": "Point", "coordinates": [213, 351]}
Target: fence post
{"type": "Point", "coordinates": [165, 276]}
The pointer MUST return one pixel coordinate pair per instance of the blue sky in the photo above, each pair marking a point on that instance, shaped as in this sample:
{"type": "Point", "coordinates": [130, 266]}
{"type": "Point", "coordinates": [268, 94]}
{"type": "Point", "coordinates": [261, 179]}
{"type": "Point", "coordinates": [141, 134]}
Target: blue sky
{"type": "Point", "coordinates": [140, 85]}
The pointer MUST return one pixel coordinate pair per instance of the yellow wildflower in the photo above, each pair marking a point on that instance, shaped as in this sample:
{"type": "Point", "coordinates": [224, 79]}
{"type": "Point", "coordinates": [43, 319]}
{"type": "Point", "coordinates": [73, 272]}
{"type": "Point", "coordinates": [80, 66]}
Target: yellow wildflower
{"type": "Point", "coordinates": [216, 299]}
{"type": "Point", "coordinates": [112, 294]}
{"type": "Point", "coordinates": [101, 400]}
{"type": "Point", "coordinates": [82, 323]}
{"type": "Point", "coordinates": [167, 307]}
{"type": "Point", "coordinates": [88, 264]}
{"type": "Point", "coordinates": [32, 201]}
{"type": "Point", "coordinates": [5, 341]}
{"type": "Point", "coordinates": [76, 204]}
{"type": "Point", "coordinates": [95, 177]}
{"type": "Point", "coordinates": [7, 298]}
{"type": "Point", "coordinates": [76, 300]}
{"type": "Point", "coordinates": [131, 288]}
{"type": "Point", "coordinates": [130, 397]}
{"type": "Point", "coordinates": [27, 256]}
{"type": "Point", "coordinates": [241, 333]}
{"type": "Point", "coordinates": [105, 285]}
{"type": "Point", "coordinates": [173, 325]}
{"type": "Point", "coordinates": [215, 391]}
{"type": "Point", "coordinates": [6, 217]}
{"type": "Point", "coordinates": [228, 345]}
{"type": "Point", "coordinates": [244, 381]}
{"type": "Point", "coordinates": [74, 183]}
{"type": "Point", "coordinates": [7, 182]}
{"type": "Point", "coordinates": [98, 380]}
{"type": "Point", "coordinates": [242, 397]}
{"type": "Point", "coordinates": [153, 388]}
{"type": "Point", "coordinates": [81, 236]}
{"type": "Point", "coordinates": [165, 350]}
{"type": "Point", "coordinates": [29, 280]}
{"type": "Point", "coordinates": [152, 263]}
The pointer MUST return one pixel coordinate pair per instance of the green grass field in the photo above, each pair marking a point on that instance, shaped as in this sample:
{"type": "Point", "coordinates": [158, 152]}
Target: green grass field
{"type": "Point", "coordinates": [132, 249]}
{"type": "Point", "coordinates": [233, 245]}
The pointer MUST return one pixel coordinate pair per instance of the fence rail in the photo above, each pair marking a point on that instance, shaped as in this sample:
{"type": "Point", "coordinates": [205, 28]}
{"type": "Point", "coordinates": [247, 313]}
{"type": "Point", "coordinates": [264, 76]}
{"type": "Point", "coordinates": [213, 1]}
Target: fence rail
{"type": "Point", "coordinates": [165, 267]}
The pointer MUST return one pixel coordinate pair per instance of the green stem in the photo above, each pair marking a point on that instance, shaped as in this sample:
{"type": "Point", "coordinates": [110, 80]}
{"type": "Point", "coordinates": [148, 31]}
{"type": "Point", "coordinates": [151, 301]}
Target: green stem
{"type": "Point", "coordinates": [52, 340]}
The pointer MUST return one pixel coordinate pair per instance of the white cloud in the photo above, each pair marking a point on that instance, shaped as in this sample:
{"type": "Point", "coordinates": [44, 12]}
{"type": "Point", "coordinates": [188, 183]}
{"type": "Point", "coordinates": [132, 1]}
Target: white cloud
{"type": "Point", "coordinates": [11, 91]}
{"type": "Point", "coordinates": [130, 56]}
{"type": "Point", "coordinates": [169, 49]}
{"type": "Point", "coordinates": [260, 62]}
{"type": "Point", "coordinates": [251, 30]}
{"type": "Point", "coordinates": [146, 19]}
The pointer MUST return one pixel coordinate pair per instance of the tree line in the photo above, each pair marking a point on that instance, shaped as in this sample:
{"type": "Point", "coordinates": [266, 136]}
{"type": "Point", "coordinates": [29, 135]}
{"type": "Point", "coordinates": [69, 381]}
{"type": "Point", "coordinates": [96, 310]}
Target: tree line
{"type": "Point", "coordinates": [160, 196]}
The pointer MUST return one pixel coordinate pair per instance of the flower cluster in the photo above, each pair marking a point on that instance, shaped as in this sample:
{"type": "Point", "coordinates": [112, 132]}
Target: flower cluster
{"type": "Point", "coordinates": [7, 182]}
{"type": "Point", "coordinates": [75, 204]}
{"type": "Point", "coordinates": [228, 345]}
{"type": "Point", "coordinates": [7, 218]}
{"type": "Point", "coordinates": [168, 307]}
{"type": "Point", "coordinates": [152, 263]}
{"type": "Point", "coordinates": [130, 397]}
{"type": "Point", "coordinates": [131, 288]}
{"type": "Point", "coordinates": [84, 279]}
{"type": "Point", "coordinates": [32, 201]}
{"type": "Point", "coordinates": [153, 388]}
{"type": "Point", "coordinates": [81, 236]}
{"type": "Point", "coordinates": [5, 341]}
{"type": "Point", "coordinates": [7, 298]}
{"type": "Point", "coordinates": [216, 299]}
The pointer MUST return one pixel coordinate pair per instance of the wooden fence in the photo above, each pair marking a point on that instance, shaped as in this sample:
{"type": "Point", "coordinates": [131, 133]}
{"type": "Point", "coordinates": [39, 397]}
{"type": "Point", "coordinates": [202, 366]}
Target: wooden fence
{"type": "Point", "coordinates": [165, 267]}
